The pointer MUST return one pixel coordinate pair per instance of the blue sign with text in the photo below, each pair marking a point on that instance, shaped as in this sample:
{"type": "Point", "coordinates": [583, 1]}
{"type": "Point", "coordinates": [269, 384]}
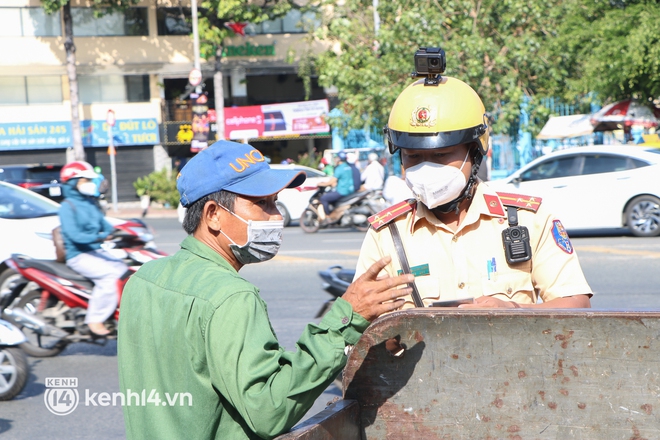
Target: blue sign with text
{"type": "Point", "coordinates": [45, 135]}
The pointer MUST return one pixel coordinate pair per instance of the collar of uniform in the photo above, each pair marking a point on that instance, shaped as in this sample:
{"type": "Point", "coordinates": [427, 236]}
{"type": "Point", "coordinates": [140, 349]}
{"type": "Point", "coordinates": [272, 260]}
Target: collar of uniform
{"type": "Point", "coordinates": [478, 207]}
{"type": "Point", "coordinates": [193, 245]}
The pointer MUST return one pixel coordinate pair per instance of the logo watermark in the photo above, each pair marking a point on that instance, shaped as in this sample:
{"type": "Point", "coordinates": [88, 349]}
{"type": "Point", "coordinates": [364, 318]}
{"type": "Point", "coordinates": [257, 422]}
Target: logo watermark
{"type": "Point", "coordinates": [61, 397]}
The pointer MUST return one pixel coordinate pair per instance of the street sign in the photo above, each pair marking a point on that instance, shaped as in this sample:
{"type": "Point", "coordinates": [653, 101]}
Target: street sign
{"type": "Point", "coordinates": [195, 77]}
{"type": "Point", "coordinates": [110, 118]}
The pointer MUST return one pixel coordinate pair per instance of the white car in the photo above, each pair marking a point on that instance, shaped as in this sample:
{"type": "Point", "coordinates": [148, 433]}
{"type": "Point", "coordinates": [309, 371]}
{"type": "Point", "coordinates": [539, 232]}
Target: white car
{"type": "Point", "coordinates": [595, 187]}
{"type": "Point", "coordinates": [292, 201]}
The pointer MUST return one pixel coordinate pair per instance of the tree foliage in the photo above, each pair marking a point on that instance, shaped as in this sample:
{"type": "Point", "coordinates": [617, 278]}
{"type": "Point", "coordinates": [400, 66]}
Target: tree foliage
{"type": "Point", "coordinates": [505, 49]}
{"type": "Point", "coordinates": [213, 14]}
{"type": "Point", "coordinates": [611, 48]}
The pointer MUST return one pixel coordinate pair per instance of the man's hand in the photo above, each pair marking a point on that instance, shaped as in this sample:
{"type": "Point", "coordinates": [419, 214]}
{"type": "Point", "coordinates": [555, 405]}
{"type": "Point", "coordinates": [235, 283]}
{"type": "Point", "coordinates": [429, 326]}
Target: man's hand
{"type": "Point", "coordinates": [488, 302]}
{"type": "Point", "coordinates": [371, 296]}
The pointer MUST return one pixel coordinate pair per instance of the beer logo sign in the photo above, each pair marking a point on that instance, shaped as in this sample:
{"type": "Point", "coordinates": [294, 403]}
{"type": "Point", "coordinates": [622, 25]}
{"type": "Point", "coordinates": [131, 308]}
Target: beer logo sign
{"type": "Point", "coordinates": [422, 117]}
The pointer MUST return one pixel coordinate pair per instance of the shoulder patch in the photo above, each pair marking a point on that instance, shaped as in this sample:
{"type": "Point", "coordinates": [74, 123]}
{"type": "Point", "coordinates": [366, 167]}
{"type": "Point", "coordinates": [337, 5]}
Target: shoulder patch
{"type": "Point", "coordinates": [530, 203]}
{"type": "Point", "coordinates": [385, 216]}
{"type": "Point", "coordinates": [561, 237]}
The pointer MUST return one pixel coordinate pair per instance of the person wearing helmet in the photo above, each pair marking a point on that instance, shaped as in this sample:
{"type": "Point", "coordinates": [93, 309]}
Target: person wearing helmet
{"type": "Point", "coordinates": [341, 180]}
{"type": "Point", "coordinates": [461, 239]}
{"type": "Point", "coordinates": [373, 175]}
{"type": "Point", "coordinates": [326, 167]}
{"type": "Point", "coordinates": [84, 228]}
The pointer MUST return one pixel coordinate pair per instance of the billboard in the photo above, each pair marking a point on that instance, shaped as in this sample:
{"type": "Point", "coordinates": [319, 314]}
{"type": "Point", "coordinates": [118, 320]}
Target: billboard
{"type": "Point", "coordinates": [275, 120]}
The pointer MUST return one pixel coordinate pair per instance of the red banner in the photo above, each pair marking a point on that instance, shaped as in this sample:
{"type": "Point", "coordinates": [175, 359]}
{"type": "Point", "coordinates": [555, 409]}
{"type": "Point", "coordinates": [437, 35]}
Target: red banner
{"type": "Point", "coordinates": [287, 119]}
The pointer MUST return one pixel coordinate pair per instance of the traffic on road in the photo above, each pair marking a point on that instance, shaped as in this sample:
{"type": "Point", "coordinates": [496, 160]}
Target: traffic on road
{"type": "Point", "coordinates": [620, 268]}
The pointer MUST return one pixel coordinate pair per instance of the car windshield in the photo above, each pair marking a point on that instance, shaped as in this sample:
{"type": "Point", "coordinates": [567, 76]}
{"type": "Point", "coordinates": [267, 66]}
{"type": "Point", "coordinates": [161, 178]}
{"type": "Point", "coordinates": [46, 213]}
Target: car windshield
{"type": "Point", "coordinates": [43, 174]}
{"type": "Point", "coordinates": [19, 203]}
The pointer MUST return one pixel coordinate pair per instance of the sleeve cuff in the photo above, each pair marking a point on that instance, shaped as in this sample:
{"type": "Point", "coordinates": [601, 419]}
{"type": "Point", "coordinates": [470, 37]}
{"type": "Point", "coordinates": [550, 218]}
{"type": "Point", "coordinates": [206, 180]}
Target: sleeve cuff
{"type": "Point", "coordinates": [343, 319]}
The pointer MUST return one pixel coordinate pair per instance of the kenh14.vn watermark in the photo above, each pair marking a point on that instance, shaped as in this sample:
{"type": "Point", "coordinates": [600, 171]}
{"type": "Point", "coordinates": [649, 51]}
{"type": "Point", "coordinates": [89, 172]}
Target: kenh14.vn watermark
{"type": "Point", "coordinates": [62, 398]}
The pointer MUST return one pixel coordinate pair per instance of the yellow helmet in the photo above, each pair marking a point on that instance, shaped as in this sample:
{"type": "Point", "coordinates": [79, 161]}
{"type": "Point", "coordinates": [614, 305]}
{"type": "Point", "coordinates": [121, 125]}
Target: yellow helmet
{"type": "Point", "coordinates": [437, 116]}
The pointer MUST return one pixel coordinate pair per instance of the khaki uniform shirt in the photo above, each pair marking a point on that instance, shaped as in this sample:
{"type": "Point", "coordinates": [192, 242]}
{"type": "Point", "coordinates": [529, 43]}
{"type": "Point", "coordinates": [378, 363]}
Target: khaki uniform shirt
{"type": "Point", "coordinates": [471, 262]}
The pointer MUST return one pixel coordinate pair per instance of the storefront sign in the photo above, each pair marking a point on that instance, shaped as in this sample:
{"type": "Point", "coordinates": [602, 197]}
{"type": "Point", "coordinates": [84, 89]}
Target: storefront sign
{"type": "Point", "coordinates": [125, 132]}
{"type": "Point", "coordinates": [288, 119]}
{"type": "Point", "coordinates": [33, 135]}
{"type": "Point", "coordinates": [249, 50]}
{"type": "Point", "coordinates": [44, 135]}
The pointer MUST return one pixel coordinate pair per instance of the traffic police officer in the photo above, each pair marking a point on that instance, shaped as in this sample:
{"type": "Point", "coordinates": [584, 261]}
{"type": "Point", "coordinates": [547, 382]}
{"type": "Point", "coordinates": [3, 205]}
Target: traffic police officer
{"type": "Point", "coordinates": [460, 238]}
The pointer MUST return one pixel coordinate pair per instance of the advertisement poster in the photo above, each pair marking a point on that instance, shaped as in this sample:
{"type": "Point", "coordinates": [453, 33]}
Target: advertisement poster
{"type": "Point", "coordinates": [287, 119]}
{"type": "Point", "coordinates": [200, 122]}
{"type": "Point", "coordinates": [32, 136]}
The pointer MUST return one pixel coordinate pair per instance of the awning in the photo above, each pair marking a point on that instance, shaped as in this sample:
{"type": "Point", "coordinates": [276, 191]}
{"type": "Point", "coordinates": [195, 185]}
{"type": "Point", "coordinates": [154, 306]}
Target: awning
{"type": "Point", "coordinates": [562, 127]}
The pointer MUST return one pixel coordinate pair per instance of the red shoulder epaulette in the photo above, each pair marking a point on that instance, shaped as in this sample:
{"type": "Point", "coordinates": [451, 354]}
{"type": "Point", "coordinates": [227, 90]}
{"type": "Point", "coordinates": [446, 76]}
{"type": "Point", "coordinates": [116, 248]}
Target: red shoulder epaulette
{"type": "Point", "coordinates": [530, 203]}
{"type": "Point", "coordinates": [385, 216]}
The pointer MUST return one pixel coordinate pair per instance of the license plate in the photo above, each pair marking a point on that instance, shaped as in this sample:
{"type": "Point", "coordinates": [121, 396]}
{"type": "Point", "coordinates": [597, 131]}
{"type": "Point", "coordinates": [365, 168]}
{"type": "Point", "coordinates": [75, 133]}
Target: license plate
{"type": "Point", "coordinates": [55, 191]}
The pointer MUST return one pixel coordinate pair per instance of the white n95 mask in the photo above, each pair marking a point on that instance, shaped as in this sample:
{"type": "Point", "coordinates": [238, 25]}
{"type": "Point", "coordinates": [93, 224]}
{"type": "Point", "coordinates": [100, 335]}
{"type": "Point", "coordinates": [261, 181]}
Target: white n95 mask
{"type": "Point", "coordinates": [434, 184]}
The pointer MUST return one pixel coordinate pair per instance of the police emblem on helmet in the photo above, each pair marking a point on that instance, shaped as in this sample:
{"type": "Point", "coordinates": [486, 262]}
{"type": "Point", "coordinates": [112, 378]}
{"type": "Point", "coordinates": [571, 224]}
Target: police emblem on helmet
{"type": "Point", "coordinates": [421, 116]}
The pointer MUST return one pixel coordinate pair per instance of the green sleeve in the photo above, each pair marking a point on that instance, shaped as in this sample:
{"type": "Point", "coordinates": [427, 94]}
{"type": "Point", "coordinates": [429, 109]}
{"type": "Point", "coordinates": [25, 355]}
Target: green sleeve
{"type": "Point", "coordinates": [269, 388]}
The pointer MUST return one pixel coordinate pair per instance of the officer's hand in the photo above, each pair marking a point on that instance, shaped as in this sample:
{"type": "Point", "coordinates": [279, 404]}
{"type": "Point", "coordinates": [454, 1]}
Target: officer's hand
{"type": "Point", "coordinates": [371, 296]}
{"type": "Point", "coordinates": [488, 302]}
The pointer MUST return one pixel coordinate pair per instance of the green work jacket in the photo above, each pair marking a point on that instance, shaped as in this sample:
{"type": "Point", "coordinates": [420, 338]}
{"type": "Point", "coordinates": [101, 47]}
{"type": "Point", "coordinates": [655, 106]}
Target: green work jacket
{"type": "Point", "coordinates": [198, 357]}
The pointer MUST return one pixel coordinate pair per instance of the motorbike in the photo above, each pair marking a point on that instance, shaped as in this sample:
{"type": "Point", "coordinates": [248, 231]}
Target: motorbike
{"type": "Point", "coordinates": [336, 280]}
{"type": "Point", "coordinates": [14, 369]}
{"type": "Point", "coordinates": [49, 301]}
{"type": "Point", "coordinates": [352, 210]}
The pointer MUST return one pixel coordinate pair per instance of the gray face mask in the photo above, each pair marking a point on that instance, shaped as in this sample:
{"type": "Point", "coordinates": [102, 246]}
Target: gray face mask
{"type": "Point", "coordinates": [263, 242]}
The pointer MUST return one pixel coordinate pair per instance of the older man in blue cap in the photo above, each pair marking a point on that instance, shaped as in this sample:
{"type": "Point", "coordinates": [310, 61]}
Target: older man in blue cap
{"type": "Point", "coordinates": [190, 324]}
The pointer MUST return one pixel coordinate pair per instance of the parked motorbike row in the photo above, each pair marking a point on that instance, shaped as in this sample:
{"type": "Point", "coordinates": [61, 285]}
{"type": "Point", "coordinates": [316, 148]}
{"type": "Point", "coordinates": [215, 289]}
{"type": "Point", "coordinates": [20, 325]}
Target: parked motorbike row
{"type": "Point", "coordinates": [44, 306]}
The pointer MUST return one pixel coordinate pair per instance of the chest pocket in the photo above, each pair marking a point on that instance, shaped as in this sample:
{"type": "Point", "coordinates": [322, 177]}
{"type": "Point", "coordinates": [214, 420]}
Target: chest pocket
{"type": "Point", "coordinates": [510, 283]}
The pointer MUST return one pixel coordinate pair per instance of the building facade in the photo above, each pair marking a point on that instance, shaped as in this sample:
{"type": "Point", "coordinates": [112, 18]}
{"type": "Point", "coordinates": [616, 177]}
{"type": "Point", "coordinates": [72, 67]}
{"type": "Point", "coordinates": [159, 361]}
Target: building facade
{"type": "Point", "coordinates": [137, 63]}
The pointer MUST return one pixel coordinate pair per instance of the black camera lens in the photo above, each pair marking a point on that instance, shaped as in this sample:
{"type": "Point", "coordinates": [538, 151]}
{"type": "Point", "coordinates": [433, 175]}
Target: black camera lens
{"type": "Point", "coordinates": [434, 62]}
{"type": "Point", "coordinates": [515, 233]}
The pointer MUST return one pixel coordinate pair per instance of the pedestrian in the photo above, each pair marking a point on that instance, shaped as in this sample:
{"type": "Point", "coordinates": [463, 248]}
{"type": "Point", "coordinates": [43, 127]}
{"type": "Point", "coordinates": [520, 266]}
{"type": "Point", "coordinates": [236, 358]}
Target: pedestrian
{"type": "Point", "coordinates": [373, 175]}
{"type": "Point", "coordinates": [84, 229]}
{"type": "Point", "coordinates": [460, 238]}
{"type": "Point", "coordinates": [190, 324]}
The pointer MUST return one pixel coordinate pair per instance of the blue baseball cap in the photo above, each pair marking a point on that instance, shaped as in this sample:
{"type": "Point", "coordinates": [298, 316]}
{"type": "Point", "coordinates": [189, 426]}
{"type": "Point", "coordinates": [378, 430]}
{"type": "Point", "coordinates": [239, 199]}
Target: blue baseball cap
{"type": "Point", "coordinates": [234, 167]}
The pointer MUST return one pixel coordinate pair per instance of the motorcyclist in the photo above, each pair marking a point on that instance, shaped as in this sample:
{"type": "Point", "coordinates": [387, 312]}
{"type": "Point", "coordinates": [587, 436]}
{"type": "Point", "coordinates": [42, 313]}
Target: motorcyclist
{"type": "Point", "coordinates": [342, 181]}
{"type": "Point", "coordinates": [84, 228]}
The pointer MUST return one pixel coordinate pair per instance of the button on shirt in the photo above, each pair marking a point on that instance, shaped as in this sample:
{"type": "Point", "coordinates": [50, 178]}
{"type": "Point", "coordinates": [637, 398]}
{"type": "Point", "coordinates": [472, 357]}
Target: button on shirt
{"type": "Point", "coordinates": [470, 262]}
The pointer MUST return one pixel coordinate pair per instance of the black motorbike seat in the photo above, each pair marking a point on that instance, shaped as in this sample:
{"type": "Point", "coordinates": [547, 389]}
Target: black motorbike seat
{"type": "Point", "coordinates": [351, 196]}
{"type": "Point", "coordinates": [58, 269]}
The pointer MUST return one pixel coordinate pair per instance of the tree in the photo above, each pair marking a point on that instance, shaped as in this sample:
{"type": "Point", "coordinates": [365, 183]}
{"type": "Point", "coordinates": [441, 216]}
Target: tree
{"type": "Point", "coordinates": [215, 14]}
{"type": "Point", "coordinates": [610, 48]}
{"type": "Point", "coordinates": [101, 7]}
{"type": "Point", "coordinates": [505, 49]}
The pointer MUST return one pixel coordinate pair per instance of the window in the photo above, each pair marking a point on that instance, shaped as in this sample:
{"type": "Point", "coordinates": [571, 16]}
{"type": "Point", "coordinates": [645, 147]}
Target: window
{"type": "Point", "coordinates": [552, 169]}
{"type": "Point", "coordinates": [131, 22]}
{"type": "Point", "coordinates": [601, 163]}
{"type": "Point", "coordinates": [21, 90]}
{"type": "Point", "coordinates": [44, 89]}
{"type": "Point", "coordinates": [113, 88]}
{"type": "Point", "coordinates": [29, 22]}
{"type": "Point", "coordinates": [12, 90]}
{"type": "Point", "coordinates": [174, 21]}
